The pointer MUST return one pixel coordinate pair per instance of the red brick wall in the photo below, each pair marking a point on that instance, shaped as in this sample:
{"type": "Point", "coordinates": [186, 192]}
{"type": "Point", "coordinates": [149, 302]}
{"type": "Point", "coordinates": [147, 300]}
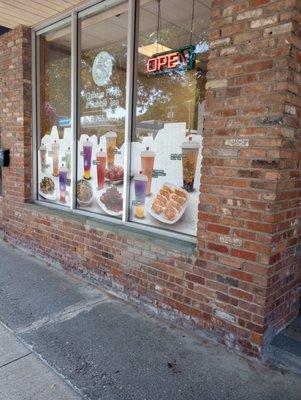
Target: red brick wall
{"type": "Point", "coordinates": [250, 195]}
{"type": "Point", "coordinates": [241, 281]}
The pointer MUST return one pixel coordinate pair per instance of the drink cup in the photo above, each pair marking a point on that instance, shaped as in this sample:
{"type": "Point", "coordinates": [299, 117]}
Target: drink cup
{"type": "Point", "coordinates": [101, 159]}
{"type": "Point", "coordinates": [111, 138]}
{"type": "Point", "coordinates": [43, 151]}
{"type": "Point", "coordinates": [147, 166]}
{"type": "Point", "coordinates": [68, 163]}
{"type": "Point", "coordinates": [55, 158]}
{"type": "Point", "coordinates": [87, 153]}
{"type": "Point", "coordinates": [190, 151]}
{"type": "Point", "coordinates": [63, 182]}
{"type": "Point", "coordinates": [140, 184]}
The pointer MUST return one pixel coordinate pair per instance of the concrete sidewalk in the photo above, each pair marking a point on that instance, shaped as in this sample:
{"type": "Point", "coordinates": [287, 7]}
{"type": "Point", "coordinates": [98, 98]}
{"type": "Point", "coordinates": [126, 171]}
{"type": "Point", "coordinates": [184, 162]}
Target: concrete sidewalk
{"type": "Point", "coordinates": [109, 350]}
{"type": "Point", "coordinates": [24, 376]}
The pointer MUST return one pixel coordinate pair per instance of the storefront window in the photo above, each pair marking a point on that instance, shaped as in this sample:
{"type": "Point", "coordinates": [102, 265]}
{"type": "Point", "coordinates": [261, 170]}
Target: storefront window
{"type": "Point", "coordinates": [166, 146]}
{"type": "Point", "coordinates": [138, 142]}
{"type": "Point", "coordinates": [54, 111]}
{"type": "Point", "coordinates": [103, 49]}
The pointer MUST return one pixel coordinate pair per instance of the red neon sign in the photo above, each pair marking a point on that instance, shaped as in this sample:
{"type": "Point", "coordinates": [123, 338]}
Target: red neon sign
{"type": "Point", "coordinates": [175, 59]}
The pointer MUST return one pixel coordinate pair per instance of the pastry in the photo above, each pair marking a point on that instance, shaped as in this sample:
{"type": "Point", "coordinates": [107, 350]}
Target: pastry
{"type": "Point", "coordinates": [169, 201]}
{"type": "Point", "coordinates": [178, 199]}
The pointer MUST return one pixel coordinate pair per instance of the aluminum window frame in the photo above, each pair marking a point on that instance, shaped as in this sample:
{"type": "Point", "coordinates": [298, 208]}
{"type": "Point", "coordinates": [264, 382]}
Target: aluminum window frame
{"type": "Point", "coordinates": [74, 16]}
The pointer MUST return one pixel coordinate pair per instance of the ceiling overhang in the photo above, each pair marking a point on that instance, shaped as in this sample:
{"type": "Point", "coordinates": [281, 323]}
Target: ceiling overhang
{"type": "Point", "coordinates": [32, 12]}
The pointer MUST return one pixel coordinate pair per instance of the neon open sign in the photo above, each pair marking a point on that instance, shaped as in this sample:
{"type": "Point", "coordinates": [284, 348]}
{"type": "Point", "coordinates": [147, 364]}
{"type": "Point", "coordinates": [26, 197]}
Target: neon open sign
{"type": "Point", "coordinates": [182, 59]}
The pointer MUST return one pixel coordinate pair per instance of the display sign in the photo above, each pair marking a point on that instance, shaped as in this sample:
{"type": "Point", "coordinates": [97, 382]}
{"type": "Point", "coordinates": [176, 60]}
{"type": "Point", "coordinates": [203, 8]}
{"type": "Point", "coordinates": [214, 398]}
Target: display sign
{"type": "Point", "coordinates": [181, 59]}
{"type": "Point", "coordinates": [102, 68]}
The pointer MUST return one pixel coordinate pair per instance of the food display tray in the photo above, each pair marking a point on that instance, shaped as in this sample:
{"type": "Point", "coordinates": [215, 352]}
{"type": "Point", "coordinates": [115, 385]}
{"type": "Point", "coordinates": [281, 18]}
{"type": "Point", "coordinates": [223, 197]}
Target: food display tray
{"type": "Point", "coordinates": [160, 217]}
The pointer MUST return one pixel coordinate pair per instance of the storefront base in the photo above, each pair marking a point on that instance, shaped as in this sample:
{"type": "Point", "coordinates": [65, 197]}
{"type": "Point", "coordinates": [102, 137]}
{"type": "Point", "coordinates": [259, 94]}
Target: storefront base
{"type": "Point", "coordinates": [147, 271]}
{"type": "Point", "coordinates": [138, 268]}
{"type": "Point", "coordinates": [241, 280]}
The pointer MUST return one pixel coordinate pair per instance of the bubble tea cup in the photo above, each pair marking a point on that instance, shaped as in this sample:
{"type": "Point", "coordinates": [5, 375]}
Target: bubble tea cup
{"type": "Point", "coordinates": [147, 166]}
{"type": "Point", "coordinates": [140, 184]}
{"type": "Point", "coordinates": [87, 154]}
{"type": "Point", "coordinates": [43, 151]}
{"type": "Point", "coordinates": [63, 182]}
{"type": "Point", "coordinates": [55, 158]}
{"type": "Point", "coordinates": [101, 159]}
{"type": "Point", "coordinates": [111, 138]}
{"type": "Point", "coordinates": [190, 151]}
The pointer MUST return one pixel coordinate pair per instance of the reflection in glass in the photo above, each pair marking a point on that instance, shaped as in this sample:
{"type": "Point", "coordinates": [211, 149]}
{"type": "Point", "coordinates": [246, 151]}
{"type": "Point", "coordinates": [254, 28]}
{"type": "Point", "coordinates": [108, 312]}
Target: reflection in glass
{"type": "Point", "coordinates": [54, 110]}
{"type": "Point", "coordinates": [102, 89]}
{"type": "Point", "coordinates": [166, 145]}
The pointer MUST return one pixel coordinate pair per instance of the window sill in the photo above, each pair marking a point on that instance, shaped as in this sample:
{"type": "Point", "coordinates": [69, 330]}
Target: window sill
{"type": "Point", "coordinates": [181, 243]}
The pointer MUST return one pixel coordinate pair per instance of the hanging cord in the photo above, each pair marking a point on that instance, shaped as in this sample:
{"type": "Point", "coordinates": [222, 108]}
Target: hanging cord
{"type": "Point", "coordinates": [158, 23]}
{"type": "Point", "coordinates": [192, 21]}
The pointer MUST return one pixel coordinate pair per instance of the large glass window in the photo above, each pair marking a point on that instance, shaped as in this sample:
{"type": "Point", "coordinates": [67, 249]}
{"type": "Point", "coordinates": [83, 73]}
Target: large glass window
{"type": "Point", "coordinates": [166, 146]}
{"type": "Point", "coordinates": [102, 88]}
{"type": "Point", "coordinates": [145, 159]}
{"type": "Point", "coordinates": [54, 115]}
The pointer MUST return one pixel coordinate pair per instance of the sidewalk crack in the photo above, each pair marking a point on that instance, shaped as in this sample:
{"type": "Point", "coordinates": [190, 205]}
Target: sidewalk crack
{"type": "Point", "coordinates": [15, 360]}
{"type": "Point", "coordinates": [66, 314]}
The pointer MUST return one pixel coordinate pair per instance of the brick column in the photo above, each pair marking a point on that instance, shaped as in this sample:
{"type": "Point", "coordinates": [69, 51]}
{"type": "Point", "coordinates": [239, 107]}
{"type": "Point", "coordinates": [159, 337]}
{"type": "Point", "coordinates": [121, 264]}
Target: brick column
{"type": "Point", "coordinates": [250, 189]}
{"type": "Point", "coordinates": [15, 121]}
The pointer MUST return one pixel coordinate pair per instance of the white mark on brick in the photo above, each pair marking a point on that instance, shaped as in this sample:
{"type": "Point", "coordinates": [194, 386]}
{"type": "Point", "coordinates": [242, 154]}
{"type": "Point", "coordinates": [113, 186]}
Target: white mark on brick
{"type": "Point", "coordinates": [224, 315]}
{"type": "Point", "coordinates": [230, 241]}
{"type": "Point", "coordinates": [226, 211]}
{"type": "Point", "coordinates": [263, 22]}
{"type": "Point", "coordinates": [228, 50]}
{"type": "Point", "coordinates": [250, 14]}
{"type": "Point", "coordinates": [237, 142]}
{"type": "Point", "coordinates": [269, 196]}
{"type": "Point", "coordinates": [219, 42]}
{"type": "Point", "coordinates": [216, 84]}
{"type": "Point", "coordinates": [278, 30]}
{"type": "Point", "coordinates": [290, 109]}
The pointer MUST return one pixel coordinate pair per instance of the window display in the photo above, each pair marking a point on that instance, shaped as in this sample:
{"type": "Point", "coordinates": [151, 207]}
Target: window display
{"type": "Point", "coordinates": [54, 125]}
{"type": "Point", "coordinates": [152, 172]}
{"type": "Point", "coordinates": [102, 87]}
{"type": "Point", "coordinates": [166, 146]}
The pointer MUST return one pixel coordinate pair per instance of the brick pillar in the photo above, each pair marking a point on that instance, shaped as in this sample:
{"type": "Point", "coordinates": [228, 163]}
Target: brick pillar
{"type": "Point", "coordinates": [250, 189]}
{"type": "Point", "coordinates": [15, 120]}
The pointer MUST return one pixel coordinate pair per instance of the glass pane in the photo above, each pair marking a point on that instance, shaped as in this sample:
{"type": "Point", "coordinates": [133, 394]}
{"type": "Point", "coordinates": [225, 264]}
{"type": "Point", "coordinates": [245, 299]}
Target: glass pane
{"type": "Point", "coordinates": [54, 111]}
{"type": "Point", "coordinates": [166, 146]}
{"type": "Point", "coordinates": [103, 43]}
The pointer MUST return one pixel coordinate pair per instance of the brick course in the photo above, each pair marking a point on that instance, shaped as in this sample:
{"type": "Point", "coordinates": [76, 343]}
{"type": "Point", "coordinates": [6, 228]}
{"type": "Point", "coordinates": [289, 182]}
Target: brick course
{"type": "Point", "coordinates": [242, 280]}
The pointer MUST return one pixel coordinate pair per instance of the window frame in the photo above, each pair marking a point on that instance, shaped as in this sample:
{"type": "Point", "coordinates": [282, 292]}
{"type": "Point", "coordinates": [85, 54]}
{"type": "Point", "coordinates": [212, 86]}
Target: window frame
{"type": "Point", "coordinates": [73, 17]}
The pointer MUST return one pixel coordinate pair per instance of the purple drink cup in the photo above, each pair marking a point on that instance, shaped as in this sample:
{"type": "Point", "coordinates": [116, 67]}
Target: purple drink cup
{"type": "Point", "coordinates": [140, 184]}
{"type": "Point", "coordinates": [87, 152]}
{"type": "Point", "coordinates": [63, 182]}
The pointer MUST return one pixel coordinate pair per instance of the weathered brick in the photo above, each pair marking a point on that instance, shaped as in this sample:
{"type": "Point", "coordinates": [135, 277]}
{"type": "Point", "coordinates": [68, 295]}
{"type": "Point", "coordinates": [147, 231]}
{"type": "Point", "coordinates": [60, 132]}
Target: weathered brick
{"type": "Point", "coordinates": [259, 23]}
{"type": "Point", "coordinates": [278, 30]}
{"type": "Point", "coordinates": [250, 14]}
{"type": "Point", "coordinates": [216, 84]}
